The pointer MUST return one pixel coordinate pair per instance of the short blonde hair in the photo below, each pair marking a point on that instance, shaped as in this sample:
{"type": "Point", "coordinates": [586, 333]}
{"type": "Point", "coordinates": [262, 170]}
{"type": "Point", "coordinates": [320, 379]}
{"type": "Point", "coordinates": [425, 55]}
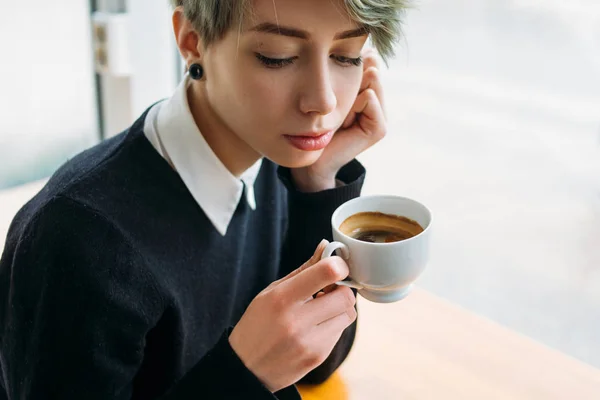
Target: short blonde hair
{"type": "Point", "coordinates": [381, 18]}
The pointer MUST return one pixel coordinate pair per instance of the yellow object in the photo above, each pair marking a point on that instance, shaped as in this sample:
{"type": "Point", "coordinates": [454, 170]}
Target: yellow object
{"type": "Point", "coordinates": [333, 389]}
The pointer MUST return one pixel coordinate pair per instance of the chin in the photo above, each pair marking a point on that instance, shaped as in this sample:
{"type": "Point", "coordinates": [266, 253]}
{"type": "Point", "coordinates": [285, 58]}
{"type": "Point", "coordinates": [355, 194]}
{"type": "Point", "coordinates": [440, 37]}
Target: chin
{"type": "Point", "coordinates": [295, 158]}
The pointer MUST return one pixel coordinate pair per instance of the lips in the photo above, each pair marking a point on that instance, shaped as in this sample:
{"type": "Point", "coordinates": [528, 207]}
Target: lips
{"type": "Point", "coordinates": [311, 141]}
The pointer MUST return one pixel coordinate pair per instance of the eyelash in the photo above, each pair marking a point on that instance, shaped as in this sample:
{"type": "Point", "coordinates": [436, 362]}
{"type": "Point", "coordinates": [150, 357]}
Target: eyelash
{"type": "Point", "coordinates": [276, 63]}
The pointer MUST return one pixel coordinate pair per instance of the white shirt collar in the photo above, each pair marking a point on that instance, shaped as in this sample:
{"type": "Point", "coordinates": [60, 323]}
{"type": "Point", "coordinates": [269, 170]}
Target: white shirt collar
{"type": "Point", "coordinates": [171, 129]}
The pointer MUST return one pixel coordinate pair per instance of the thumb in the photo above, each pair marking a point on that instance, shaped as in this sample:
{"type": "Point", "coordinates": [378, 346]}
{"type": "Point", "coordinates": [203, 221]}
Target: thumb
{"type": "Point", "coordinates": [350, 119]}
{"type": "Point", "coordinates": [316, 257]}
{"type": "Point", "coordinates": [318, 253]}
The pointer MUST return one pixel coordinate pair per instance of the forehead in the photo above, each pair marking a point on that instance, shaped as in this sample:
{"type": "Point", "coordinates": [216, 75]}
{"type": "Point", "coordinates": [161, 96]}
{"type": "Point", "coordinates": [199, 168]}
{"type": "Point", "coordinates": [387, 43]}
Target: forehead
{"type": "Point", "coordinates": [315, 16]}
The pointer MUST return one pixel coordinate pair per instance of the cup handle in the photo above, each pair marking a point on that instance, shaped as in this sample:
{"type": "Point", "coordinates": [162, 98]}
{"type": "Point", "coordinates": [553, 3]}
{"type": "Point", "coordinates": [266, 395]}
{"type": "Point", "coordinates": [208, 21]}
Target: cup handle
{"type": "Point", "coordinates": [328, 252]}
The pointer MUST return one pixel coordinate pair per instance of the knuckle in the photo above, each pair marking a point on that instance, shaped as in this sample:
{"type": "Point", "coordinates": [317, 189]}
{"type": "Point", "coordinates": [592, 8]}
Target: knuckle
{"type": "Point", "coordinates": [302, 345]}
{"type": "Point", "coordinates": [317, 359]}
{"type": "Point", "coordinates": [374, 55]}
{"type": "Point", "coordinates": [348, 297]}
{"type": "Point", "coordinates": [371, 56]}
{"type": "Point", "coordinates": [334, 269]}
{"type": "Point", "coordinates": [271, 287]}
{"type": "Point", "coordinates": [278, 301]}
{"type": "Point", "coordinates": [263, 297]}
{"type": "Point", "coordinates": [329, 269]}
{"type": "Point", "coordinates": [352, 315]}
{"type": "Point", "coordinates": [372, 72]}
{"type": "Point", "coordinates": [310, 362]}
{"type": "Point", "coordinates": [371, 93]}
{"type": "Point", "coordinates": [312, 357]}
{"type": "Point", "coordinates": [291, 332]}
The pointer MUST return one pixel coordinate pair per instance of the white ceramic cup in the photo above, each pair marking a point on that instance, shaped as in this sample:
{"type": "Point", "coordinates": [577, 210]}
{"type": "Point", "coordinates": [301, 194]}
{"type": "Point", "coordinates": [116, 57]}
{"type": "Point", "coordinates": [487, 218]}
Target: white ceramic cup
{"type": "Point", "coordinates": [382, 272]}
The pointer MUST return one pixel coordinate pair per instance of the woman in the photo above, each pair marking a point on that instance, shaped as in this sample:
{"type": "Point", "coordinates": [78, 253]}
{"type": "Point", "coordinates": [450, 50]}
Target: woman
{"type": "Point", "coordinates": [170, 262]}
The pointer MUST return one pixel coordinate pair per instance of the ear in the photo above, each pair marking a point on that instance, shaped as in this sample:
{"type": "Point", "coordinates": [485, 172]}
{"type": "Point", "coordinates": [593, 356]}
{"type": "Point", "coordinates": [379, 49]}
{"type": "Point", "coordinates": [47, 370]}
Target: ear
{"type": "Point", "coordinates": [187, 38]}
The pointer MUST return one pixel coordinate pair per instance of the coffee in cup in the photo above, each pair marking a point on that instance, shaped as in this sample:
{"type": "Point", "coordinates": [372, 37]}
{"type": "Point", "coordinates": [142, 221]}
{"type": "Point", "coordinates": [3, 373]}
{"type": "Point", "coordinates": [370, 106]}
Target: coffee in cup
{"type": "Point", "coordinates": [378, 227]}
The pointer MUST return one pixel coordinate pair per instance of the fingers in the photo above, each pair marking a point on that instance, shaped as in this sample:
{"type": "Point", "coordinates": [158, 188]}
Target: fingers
{"type": "Point", "coordinates": [330, 305]}
{"type": "Point", "coordinates": [312, 261]}
{"type": "Point", "coordinates": [370, 58]}
{"type": "Point", "coordinates": [318, 252]}
{"type": "Point", "coordinates": [371, 118]}
{"type": "Point", "coordinates": [311, 280]}
{"type": "Point", "coordinates": [349, 120]}
{"type": "Point", "coordinates": [337, 324]}
{"type": "Point", "coordinates": [371, 75]}
{"type": "Point", "coordinates": [330, 288]}
{"type": "Point", "coordinates": [365, 103]}
{"type": "Point", "coordinates": [372, 80]}
{"type": "Point", "coordinates": [328, 333]}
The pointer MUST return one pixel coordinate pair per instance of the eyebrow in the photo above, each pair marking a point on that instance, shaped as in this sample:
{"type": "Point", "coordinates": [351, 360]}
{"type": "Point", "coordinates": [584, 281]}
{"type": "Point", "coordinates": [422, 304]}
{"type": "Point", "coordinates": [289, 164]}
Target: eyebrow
{"type": "Point", "coordinates": [269, 27]}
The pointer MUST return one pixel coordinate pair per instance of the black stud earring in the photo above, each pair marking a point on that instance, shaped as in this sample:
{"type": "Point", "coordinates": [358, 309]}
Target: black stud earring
{"type": "Point", "coordinates": [196, 71]}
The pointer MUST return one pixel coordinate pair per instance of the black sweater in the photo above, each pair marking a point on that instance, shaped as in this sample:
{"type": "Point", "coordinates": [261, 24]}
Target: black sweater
{"type": "Point", "coordinates": [115, 285]}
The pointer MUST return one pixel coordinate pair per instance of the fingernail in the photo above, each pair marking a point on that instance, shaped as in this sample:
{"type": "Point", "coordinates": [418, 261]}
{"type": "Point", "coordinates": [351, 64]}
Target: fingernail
{"type": "Point", "coordinates": [321, 247]}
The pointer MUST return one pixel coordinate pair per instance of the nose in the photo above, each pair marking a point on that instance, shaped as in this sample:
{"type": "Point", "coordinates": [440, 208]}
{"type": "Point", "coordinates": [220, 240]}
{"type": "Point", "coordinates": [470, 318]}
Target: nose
{"type": "Point", "coordinates": [317, 95]}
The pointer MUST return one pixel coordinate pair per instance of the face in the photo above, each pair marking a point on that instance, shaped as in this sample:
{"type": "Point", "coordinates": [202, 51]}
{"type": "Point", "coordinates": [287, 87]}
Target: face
{"type": "Point", "coordinates": [274, 87]}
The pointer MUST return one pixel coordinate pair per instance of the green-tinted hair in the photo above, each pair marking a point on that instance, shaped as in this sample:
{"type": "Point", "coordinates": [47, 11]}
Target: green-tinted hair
{"type": "Point", "coordinates": [382, 19]}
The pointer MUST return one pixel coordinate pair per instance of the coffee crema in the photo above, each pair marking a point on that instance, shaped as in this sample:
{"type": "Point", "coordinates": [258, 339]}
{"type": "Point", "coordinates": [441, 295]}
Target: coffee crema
{"type": "Point", "coordinates": [377, 227]}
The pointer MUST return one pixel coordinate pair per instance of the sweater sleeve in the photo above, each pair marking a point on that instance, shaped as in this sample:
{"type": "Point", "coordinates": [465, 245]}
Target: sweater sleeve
{"type": "Point", "coordinates": [76, 304]}
{"type": "Point", "coordinates": [309, 221]}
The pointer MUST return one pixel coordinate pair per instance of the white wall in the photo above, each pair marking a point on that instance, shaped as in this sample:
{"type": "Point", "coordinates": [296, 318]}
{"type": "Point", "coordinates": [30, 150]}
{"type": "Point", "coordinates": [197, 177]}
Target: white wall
{"type": "Point", "coordinates": [47, 92]}
{"type": "Point", "coordinates": [153, 57]}
{"type": "Point", "coordinates": [153, 52]}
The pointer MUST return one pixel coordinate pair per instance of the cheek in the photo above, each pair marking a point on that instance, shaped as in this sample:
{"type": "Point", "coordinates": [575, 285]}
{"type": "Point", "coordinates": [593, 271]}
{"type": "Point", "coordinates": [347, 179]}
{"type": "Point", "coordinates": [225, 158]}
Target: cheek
{"type": "Point", "coordinates": [261, 101]}
{"type": "Point", "coordinates": [347, 88]}
{"type": "Point", "coordinates": [246, 98]}
{"type": "Point", "coordinates": [265, 94]}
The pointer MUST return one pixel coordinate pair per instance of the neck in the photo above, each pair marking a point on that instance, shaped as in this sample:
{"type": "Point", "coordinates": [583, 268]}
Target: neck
{"type": "Point", "coordinates": [234, 153]}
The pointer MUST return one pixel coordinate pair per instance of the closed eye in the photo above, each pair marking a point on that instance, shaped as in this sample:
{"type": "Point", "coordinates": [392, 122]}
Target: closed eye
{"type": "Point", "coordinates": [274, 62]}
{"type": "Point", "coordinates": [348, 61]}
